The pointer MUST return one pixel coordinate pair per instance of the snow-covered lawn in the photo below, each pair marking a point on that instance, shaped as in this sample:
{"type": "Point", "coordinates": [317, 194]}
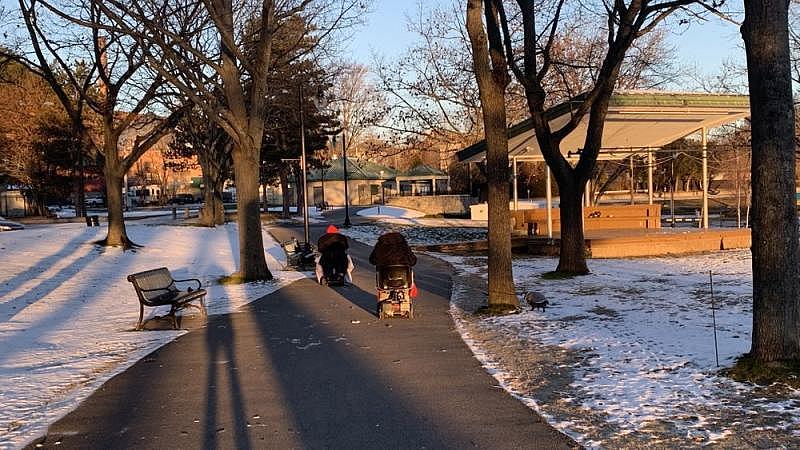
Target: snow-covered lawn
{"type": "Point", "coordinates": [67, 311]}
{"type": "Point", "coordinates": [382, 212]}
{"type": "Point", "coordinates": [625, 356]}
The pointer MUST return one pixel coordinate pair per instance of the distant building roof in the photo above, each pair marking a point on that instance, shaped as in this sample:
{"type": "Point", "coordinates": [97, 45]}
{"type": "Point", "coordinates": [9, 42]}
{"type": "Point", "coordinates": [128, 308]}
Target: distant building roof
{"type": "Point", "coordinates": [356, 170]}
{"type": "Point", "coordinates": [422, 170]}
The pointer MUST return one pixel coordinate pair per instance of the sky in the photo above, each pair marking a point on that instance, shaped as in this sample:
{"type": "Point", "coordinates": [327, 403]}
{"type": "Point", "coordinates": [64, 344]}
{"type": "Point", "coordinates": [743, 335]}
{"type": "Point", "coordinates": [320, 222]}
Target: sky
{"type": "Point", "coordinates": [702, 45]}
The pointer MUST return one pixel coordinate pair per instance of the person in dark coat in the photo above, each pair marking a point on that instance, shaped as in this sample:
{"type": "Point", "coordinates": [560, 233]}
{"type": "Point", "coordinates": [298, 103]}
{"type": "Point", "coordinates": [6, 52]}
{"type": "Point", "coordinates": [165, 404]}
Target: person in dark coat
{"type": "Point", "coordinates": [332, 247]}
{"type": "Point", "coordinates": [392, 250]}
{"type": "Point", "coordinates": [332, 241]}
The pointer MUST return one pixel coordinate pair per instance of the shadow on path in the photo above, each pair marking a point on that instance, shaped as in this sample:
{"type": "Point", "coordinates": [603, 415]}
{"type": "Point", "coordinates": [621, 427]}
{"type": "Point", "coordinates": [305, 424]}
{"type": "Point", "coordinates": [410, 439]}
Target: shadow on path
{"type": "Point", "coordinates": [309, 367]}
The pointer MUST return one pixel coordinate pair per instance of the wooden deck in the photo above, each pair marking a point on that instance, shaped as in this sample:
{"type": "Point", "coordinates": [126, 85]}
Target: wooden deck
{"type": "Point", "coordinates": [618, 243]}
{"type": "Point", "coordinates": [648, 242]}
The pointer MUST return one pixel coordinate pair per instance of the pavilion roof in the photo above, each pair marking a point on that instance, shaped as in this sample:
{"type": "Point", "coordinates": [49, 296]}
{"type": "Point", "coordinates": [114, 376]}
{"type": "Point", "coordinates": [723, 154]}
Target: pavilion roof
{"type": "Point", "coordinates": [636, 120]}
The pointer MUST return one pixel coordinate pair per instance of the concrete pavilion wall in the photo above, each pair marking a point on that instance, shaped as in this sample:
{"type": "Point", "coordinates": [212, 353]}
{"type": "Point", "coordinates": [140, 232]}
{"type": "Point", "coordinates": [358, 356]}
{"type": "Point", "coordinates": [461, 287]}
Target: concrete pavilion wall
{"type": "Point", "coordinates": [434, 204]}
{"type": "Point", "coordinates": [12, 204]}
{"type": "Point", "coordinates": [334, 192]}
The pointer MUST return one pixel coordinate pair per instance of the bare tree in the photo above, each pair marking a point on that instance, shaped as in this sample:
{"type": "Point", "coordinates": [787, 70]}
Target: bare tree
{"type": "Point", "coordinates": [218, 53]}
{"type": "Point", "coordinates": [491, 72]}
{"type": "Point", "coordinates": [535, 68]}
{"type": "Point", "coordinates": [776, 280]}
{"type": "Point", "coordinates": [117, 80]}
{"type": "Point", "coordinates": [431, 90]}
{"type": "Point", "coordinates": [360, 105]}
{"type": "Point", "coordinates": [197, 135]}
{"type": "Point", "coordinates": [28, 154]}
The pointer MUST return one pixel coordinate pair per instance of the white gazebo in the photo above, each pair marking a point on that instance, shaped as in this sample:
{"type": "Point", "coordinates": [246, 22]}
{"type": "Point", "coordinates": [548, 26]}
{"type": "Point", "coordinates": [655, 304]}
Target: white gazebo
{"type": "Point", "coordinates": [638, 122]}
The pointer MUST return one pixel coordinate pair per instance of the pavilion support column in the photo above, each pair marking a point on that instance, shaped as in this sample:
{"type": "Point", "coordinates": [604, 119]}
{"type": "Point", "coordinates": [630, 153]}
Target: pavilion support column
{"type": "Point", "coordinates": [650, 175]}
{"type": "Point", "coordinates": [704, 141]}
{"type": "Point", "coordinates": [587, 194]}
{"type": "Point", "coordinates": [549, 203]}
{"type": "Point", "coordinates": [514, 177]}
{"type": "Point", "coordinates": [632, 183]}
{"type": "Point", "coordinates": [433, 185]}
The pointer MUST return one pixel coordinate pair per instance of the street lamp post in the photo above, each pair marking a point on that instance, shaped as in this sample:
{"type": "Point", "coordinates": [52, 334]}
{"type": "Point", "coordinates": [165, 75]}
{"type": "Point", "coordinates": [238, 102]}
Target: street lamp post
{"type": "Point", "coordinates": [383, 200]}
{"type": "Point", "coordinates": [346, 195]}
{"type": "Point", "coordinates": [306, 237]}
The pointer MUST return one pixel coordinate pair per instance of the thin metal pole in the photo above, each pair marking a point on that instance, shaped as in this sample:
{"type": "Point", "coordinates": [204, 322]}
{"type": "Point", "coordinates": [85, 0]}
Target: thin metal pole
{"type": "Point", "coordinates": [705, 177]}
{"type": "Point", "coordinates": [549, 203]}
{"type": "Point", "coordinates": [713, 315]}
{"type": "Point", "coordinates": [650, 175]}
{"type": "Point", "coordinates": [738, 192]}
{"type": "Point", "coordinates": [632, 184]}
{"type": "Point", "coordinates": [672, 190]}
{"type": "Point", "coordinates": [303, 168]}
{"type": "Point", "coordinates": [346, 195]}
{"type": "Point", "coordinates": [516, 194]}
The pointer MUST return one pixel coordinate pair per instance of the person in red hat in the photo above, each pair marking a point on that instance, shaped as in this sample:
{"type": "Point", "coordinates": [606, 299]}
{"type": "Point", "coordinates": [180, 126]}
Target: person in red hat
{"type": "Point", "coordinates": [332, 247]}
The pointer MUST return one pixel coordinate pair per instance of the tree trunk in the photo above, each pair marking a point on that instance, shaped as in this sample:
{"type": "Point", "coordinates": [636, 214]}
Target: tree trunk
{"type": "Point", "coordinates": [252, 262]}
{"type": "Point", "coordinates": [572, 258]}
{"type": "Point", "coordinates": [775, 235]}
{"type": "Point", "coordinates": [492, 82]}
{"type": "Point", "coordinates": [80, 205]}
{"type": "Point", "coordinates": [213, 212]}
{"type": "Point", "coordinates": [114, 174]}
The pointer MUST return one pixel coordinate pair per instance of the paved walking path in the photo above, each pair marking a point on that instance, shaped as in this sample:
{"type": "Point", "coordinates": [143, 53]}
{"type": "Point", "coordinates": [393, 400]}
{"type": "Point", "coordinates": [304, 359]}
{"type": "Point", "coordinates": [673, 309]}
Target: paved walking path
{"type": "Point", "coordinates": [312, 367]}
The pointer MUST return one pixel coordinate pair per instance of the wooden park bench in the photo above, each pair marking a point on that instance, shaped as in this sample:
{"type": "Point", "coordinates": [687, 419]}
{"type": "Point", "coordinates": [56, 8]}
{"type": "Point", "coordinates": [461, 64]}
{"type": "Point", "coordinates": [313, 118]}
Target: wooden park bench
{"type": "Point", "coordinates": [156, 287]}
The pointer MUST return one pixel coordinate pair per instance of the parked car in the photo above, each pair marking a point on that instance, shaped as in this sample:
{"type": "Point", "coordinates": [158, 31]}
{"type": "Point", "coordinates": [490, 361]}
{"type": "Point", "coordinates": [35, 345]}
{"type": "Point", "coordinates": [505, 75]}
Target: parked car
{"type": "Point", "coordinates": [10, 225]}
{"type": "Point", "coordinates": [181, 199]}
{"type": "Point", "coordinates": [94, 202]}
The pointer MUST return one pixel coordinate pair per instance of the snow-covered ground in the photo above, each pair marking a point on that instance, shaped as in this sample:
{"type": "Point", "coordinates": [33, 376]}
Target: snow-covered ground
{"type": "Point", "coordinates": [623, 357]}
{"type": "Point", "coordinates": [67, 311]}
{"type": "Point", "coordinates": [632, 344]}
{"type": "Point", "coordinates": [410, 217]}
{"type": "Point", "coordinates": [314, 214]}
{"type": "Point", "coordinates": [67, 213]}
{"type": "Point", "coordinates": [383, 211]}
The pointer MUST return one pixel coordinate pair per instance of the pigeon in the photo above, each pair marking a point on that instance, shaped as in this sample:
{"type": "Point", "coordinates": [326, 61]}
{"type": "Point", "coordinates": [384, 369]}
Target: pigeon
{"type": "Point", "coordinates": [536, 300]}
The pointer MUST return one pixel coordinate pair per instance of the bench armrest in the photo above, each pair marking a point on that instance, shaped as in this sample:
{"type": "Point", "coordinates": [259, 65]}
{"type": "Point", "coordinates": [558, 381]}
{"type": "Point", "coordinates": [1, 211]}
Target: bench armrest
{"type": "Point", "coordinates": [195, 280]}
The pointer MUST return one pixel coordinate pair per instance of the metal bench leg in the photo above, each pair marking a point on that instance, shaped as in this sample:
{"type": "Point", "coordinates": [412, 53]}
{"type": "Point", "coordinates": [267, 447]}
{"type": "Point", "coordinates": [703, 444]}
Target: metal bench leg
{"type": "Point", "coordinates": [141, 316]}
{"type": "Point", "coordinates": [172, 313]}
{"type": "Point", "coordinates": [203, 312]}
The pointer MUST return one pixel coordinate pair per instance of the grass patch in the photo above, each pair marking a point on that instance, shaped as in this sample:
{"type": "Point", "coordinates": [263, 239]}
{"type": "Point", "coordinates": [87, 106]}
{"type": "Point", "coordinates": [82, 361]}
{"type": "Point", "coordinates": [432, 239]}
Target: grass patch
{"type": "Point", "coordinates": [236, 278]}
{"type": "Point", "coordinates": [555, 275]}
{"type": "Point", "coordinates": [603, 311]}
{"type": "Point", "coordinates": [498, 310]}
{"type": "Point", "coordinates": [194, 224]}
{"type": "Point", "coordinates": [562, 275]}
{"type": "Point", "coordinates": [231, 279]}
{"type": "Point", "coordinates": [749, 370]}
